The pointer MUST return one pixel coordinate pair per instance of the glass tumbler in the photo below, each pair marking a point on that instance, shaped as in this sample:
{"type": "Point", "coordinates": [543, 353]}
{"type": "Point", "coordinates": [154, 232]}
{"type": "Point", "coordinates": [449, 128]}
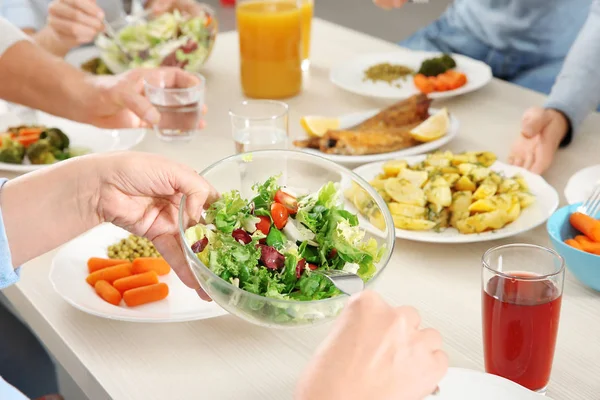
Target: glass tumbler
{"type": "Point", "coordinates": [179, 101]}
{"type": "Point", "coordinates": [522, 287]}
{"type": "Point", "coordinates": [259, 125]}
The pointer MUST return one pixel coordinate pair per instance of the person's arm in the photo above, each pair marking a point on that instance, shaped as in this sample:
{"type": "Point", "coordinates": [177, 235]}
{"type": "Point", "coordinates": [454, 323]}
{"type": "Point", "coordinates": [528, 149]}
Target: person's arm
{"type": "Point", "coordinates": [577, 89]}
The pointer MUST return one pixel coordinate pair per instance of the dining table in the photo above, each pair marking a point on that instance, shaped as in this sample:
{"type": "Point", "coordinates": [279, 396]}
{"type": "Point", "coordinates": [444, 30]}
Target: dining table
{"type": "Point", "coordinates": [227, 358]}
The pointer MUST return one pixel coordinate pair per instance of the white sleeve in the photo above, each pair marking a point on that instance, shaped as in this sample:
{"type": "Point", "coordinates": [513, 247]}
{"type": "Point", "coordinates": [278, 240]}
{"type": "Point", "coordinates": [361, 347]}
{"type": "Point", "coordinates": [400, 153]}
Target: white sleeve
{"type": "Point", "coordinates": [9, 35]}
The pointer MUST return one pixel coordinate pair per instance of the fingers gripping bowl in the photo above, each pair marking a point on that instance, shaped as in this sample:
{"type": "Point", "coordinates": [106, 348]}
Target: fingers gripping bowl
{"type": "Point", "coordinates": [298, 301]}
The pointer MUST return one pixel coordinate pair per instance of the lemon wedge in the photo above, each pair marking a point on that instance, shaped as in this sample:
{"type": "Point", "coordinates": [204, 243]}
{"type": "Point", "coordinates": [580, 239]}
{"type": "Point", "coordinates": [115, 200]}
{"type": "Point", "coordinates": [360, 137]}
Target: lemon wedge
{"type": "Point", "coordinates": [318, 126]}
{"type": "Point", "coordinates": [433, 127]}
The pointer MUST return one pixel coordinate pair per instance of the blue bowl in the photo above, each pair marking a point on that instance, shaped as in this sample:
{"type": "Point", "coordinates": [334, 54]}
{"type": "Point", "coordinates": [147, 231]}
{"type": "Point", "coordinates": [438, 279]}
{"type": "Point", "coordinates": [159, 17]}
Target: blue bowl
{"type": "Point", "coordinates": [585, 266]}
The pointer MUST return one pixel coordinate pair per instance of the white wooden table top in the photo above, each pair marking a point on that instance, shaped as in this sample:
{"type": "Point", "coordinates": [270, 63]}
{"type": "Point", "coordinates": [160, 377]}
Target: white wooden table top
{"type": "Point", "coordinates": [225, 358]}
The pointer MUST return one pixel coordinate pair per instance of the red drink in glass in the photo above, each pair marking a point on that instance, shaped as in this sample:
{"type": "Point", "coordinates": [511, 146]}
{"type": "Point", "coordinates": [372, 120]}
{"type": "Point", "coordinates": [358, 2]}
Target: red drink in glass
{"type": "Point", "coordinates": [520, 312]}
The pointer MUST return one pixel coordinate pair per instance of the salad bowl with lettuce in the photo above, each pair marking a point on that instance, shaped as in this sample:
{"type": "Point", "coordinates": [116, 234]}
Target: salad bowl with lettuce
{"type": "Point", "coordinates": [282, 219]}
{"type": "Point", "coordinates": [171, 39]}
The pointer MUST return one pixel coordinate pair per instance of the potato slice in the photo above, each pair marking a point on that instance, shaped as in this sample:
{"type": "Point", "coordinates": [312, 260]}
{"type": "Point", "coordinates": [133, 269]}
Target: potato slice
{"type": "Point", "coordinates": [376, 218]}
{"type": "Point", "coordinates": [412, 224]}
{"type": "Point", "coordinates": [485, 190]}
{"type": "Point", "coordinates": [417, 178]}
{"type": "Point", "coordinates": [513, 212]}
{"type": "Point", "coordinates": [483, 222]}
{"type": "Point", "coordinates": [508, 185]}
{"type": "Point", "coordinates": [486, 158]}
{"type": "Point", "coordinates": [478, 174]}
{"type": "Point", "coordinates": [465, 184]}
{"type": "Point", "coordinates": [525, 199]}
{"type": "Point", "coordinates": [393, 167]}
{"type": "Point", "coordinates": [451, 178]}
{"type": "Point", "coordinates": [407, 210]}
{"type": "Point", "coordinates": [460, 206]}
{"type": "Point", "coordinates": [465, 158]}
{"type": "Point", "coordinates": [439, 195]}
{"type": "Point", "coordinates": [402, 191]}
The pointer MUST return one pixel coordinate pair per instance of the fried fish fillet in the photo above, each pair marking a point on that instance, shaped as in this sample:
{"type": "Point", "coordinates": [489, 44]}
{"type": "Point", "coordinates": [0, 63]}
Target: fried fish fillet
{"type": "Point", "coordinates": [406, 112]}
{"type": "Point", "coordinates": [360, 143]}
{"type": "Point", "coordinates": [387, 131]}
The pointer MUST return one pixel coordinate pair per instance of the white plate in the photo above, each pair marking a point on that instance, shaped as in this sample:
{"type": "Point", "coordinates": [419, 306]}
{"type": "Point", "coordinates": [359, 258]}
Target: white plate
{"type": "Point", "coordinates": [350, 120]}
{"type": "Point", "coordinates": [536, 214]}
{"type": "Point", "coordinates": [349, 74]}
{"type": "Point", "coordinates": [465, 384]}
{"type": "Point", "coordinates": [81, 135]}
{"type": "Point", "coordinates": [69, 270]}
{"type": "Point", "coordinates": [581, 184]}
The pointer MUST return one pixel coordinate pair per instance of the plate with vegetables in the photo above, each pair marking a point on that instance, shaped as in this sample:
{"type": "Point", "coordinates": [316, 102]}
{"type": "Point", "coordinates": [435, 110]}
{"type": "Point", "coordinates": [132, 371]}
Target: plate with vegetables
{"type": "Point", "coordinates": [456, 198]}
{"type": "Point", "coordinates": [403, 73]}
{"type": "Point", "coordinates": [27, 144]}
{"type": "Point", "coordinates": [111, 274]}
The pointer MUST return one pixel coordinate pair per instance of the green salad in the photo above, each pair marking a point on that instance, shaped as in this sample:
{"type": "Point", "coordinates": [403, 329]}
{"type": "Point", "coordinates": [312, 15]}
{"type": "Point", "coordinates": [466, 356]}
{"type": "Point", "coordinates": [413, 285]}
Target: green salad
{"type": "Point", "coordinates": [273, 244]}
{"type": "Point", "coordinates": [171, 39]}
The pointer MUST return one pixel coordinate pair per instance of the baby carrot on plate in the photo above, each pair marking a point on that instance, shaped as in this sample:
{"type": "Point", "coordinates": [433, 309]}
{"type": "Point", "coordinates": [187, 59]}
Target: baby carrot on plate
{"type": "Point", "coordinates": [107, 292]}
{"type": "Point", "coordinates": [109, 274]}
{"type": "Point", "coordinates": [146, 294]}
{"type": "Point", "coordinates": [587, 225]}
{"type": "Point", "coordinates": [96, 264]}
{"type": "Point", "coordinates": [145, 264]}
{"type": "Point", "coordinates": [574, 243]}
{"type": "Point", "coordinates": [136, 281]}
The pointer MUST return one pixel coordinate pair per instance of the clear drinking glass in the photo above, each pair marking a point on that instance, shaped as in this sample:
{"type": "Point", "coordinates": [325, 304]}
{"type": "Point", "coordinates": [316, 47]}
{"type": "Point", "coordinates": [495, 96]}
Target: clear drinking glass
{"type": "Point", "coordinates": [521, 297]}
{"type": "Point", "coordinates": [259, 125]}
{"type": "Point", "coordinates": [180, 104]}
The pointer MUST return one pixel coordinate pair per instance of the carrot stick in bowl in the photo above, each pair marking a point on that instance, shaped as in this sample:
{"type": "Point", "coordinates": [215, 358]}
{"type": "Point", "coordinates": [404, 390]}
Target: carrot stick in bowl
{"type": "Point", "coordinates": [588, 245]}
{"type": "Point", "coordinates": [574, 243]}
{"type": "Point", "coordinates": [145, 264]}
{"type": "Point", "coordinates": [109, 274]}
{"type": "Point", "coordinates": [136, 281]}
{"type": "Point", "coordinates": [587, 225]}
{"type": "Point", "coordinates": [146, 294]}
{"type": "Point", "coordinates": [107, 292]}
{"type": "Point", "coordinates": [96, 264]}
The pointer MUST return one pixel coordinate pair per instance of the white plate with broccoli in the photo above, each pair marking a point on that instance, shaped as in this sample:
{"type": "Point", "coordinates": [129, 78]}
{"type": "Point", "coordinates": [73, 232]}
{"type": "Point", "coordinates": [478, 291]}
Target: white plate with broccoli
{"type": "Point", "coordinates": [350, 74]}
{"type": "Point", "coordinates": [33, 140]}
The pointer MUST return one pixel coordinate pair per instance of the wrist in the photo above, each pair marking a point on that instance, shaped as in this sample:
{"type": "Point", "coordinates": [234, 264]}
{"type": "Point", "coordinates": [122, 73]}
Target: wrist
{"type": "Point", "coordinates": [47, 39]}
{"type": "Point", "coordinates": [565, 130]}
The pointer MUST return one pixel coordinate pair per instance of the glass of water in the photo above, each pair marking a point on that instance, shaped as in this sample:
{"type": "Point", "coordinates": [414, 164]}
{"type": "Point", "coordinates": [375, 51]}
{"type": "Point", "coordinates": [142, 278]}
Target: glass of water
{"type": "Point", "coordinates": [179, 101]}
{"type": "Point", "coordinates": [259, 125]}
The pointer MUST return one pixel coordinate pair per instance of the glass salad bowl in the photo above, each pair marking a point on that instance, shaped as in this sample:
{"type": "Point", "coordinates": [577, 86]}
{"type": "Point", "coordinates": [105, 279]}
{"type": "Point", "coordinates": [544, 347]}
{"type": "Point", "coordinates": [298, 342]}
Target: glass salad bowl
{"type": "Point", "coordinates": [181, 39]}
{"type": "Point", "coordinates": [304, 175]}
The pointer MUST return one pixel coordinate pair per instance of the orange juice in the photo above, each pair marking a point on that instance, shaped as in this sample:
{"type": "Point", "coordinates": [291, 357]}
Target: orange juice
{"type": "Point", "coordinates": [306, 15]}
{"type": "Point", "coordinates": [270, 34]}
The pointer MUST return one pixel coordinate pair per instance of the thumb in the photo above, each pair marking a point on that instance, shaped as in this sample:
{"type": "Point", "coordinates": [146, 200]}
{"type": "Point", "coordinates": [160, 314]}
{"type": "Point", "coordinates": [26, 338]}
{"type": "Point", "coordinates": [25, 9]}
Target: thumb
{"type": "Point", "coordinates": [141, 106]}
{"type": "Point", "coordinates": [534, 121]}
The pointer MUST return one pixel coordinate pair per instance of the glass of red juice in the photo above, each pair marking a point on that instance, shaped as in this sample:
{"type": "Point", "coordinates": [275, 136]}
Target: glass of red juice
{"type": "Point", "coordinates": [521, 297]}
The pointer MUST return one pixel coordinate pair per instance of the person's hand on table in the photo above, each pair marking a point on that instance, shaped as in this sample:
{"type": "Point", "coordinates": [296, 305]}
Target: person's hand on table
{"type": "Point", "coordinates": [542, 130]}
{"type": "Point", "coordinates": [119, 101]}
{"type": "Point", "coordinates": [390, 4]}
{"type": "Point", "coordinates": [375, 351]}
{"type": "Point", "coordinates": [75, 22]}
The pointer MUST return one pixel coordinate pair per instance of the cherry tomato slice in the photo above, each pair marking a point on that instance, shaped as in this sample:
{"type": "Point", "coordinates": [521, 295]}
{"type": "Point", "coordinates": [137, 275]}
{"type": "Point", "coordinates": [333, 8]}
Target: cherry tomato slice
{"type": "Point", "coordinates": [264, 225]}
{"type": "Point", "coordinates": [312, 267]}
{"type": "Point", "coordinates": [287, 200]}
{"type": "Point", "coordinates": [279, 214]}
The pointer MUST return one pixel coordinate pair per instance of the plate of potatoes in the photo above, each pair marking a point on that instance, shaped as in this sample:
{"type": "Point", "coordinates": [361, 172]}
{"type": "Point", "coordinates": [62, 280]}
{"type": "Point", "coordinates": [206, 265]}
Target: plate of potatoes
{"type": "Point", "coordinates": [444, 197]}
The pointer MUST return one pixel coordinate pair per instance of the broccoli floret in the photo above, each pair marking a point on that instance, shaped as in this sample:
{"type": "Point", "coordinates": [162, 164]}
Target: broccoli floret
{"type": "Point", "coordinates": [437, 65]}
{"type": "Point", "coordinates": [57, 138]}
{"type": "Point", "coordinates": [448, 61]}
{"type": "Point", "coordinates": [10, 151]}
{"type": "Point", "coordinates": [41, 152]}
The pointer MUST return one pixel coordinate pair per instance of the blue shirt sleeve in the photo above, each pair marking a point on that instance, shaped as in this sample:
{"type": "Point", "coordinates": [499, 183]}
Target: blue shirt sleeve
{"type": "Point", "coordinates": [19, 13]}
{"type": "Point", "coordinates": [8, 275]}
{"type": "Point", "coordinates": [7, 392]}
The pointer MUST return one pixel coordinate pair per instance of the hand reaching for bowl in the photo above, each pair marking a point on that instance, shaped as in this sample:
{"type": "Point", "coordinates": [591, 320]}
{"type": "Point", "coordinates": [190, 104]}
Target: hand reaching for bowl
{"type": "Point", "coordinates": [375, 351]}
{"type": "Point", "coordinates": [139, 192]}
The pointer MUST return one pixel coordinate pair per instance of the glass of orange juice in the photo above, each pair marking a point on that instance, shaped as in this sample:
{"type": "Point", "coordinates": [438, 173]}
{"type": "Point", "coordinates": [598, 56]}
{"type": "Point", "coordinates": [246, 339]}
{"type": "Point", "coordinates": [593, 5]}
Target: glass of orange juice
{"type": "Point", "coordinates": [306, 15]}
{"type": "Point", "coordinates": [270, 33]}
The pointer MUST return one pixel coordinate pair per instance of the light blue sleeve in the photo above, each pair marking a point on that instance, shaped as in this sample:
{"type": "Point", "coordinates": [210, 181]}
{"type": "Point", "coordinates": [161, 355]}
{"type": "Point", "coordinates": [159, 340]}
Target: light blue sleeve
{"type": "Point", "coordinates": [7, 392]}
{"type": "Point", "coordinates": [8, 275]}
{"type": "Point", "coordinates": [20, 13]}
{"type": "Point", "coordinates": [577, 89]}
